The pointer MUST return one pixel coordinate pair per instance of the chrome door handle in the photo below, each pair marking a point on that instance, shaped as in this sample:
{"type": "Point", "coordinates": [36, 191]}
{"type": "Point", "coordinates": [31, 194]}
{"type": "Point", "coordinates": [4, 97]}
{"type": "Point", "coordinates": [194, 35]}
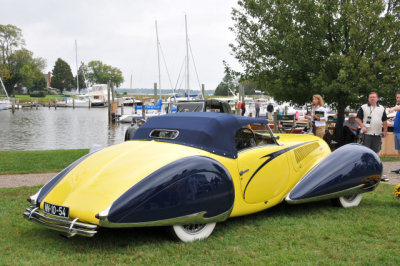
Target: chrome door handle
{"type": "Point", "coordinates": [243, 172]}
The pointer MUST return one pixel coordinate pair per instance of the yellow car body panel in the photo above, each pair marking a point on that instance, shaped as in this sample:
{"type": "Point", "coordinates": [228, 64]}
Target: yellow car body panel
{"type": "Point", "coordinates": [85, 184]}
{"type": "Point", "coordinates": [83, 188]}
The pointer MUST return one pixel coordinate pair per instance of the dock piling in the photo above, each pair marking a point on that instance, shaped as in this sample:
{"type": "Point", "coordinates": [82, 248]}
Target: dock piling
{"type": "Point", "coordinates": [13, 105]}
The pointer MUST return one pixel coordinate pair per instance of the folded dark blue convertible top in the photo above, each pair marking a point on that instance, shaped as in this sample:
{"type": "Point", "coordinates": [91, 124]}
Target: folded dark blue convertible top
{"type": "Point", "coordinates": [213, 132]}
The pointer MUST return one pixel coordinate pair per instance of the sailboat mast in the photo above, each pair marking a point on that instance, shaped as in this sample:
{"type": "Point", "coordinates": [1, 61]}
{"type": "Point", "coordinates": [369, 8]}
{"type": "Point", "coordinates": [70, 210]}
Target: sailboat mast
{"type": "Point", "coordinates": [158, 60]}
{"type": "Point", "coordinates": [187, 60]}
{"type": "Point", "coordinates": [4, 87]}
{"type": "Point", "coordinates": [77, 69]}
{"type": "Point", "coordinates": [131, 85]}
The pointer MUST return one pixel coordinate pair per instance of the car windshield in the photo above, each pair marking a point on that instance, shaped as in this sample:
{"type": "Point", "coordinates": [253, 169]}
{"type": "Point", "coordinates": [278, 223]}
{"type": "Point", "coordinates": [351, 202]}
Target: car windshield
{"type": "Point", "coordinates": [254, 135]}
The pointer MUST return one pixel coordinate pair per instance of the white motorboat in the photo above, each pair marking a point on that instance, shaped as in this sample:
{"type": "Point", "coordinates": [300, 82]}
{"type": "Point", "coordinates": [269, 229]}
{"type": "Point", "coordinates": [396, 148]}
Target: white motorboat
{"type": "Point", "coordinates": [5, 104]}
{"type": "Point", "coordinates": [79, 101]}
{"type": "Point", "coordinates": [128, 101]}
{"type": "Point", "coordinates": [98, 95]}
{"type": "Point", "coordinates": [151, 110]}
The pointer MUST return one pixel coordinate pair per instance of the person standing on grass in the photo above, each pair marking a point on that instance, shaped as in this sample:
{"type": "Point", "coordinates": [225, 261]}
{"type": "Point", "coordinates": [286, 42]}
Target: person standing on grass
{"type": "Point", "coordinates": [318, 115]}
{"type": "Point", "coordinates": [370, 118]}
{"type": "Point", "coordinates": [396, 126]}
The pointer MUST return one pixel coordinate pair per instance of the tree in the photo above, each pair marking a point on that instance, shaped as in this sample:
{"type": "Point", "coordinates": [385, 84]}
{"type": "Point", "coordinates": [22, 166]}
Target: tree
{"type": "Point", "coordinates": [227, 85]}
{"type": "Point", "coordinates": [81, 76]}
{"type": "Point", "coordinates": [62, 77]}
{"type": "Point", "coordinates": [10, 38]}
{"type": "Point", "coordinates": [17, 66]}
{"type": "Point", "coordinates": [23, 69]}
{"type": "Point", "coordinates": [100, 73]}
{"type": "Point", "coordinates": [339, 49]}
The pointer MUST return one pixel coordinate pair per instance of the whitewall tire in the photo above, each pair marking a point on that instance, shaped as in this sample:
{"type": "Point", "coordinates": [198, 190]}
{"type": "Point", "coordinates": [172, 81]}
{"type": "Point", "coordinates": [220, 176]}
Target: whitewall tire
{"type": "Point", "coordinates": [192, 232]}
{"type": "Point", "coordinates": [348, 201]}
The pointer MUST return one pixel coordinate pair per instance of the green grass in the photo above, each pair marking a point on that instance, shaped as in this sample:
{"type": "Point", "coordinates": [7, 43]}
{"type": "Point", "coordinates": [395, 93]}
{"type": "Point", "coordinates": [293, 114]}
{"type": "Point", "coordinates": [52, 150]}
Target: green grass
{"type": "Point", "coordinates": [389, 158]}
{"type": "Point", "coordinates": [24, 98]}
{"type": "Point", "coordinates": [20, 162]}
{"type": "Point", "coordinates": [314, 233]}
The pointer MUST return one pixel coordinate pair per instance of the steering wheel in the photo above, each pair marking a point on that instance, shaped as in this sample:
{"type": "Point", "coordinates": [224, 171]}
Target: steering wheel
{"type": "Point", "coordinates": [253, 141]}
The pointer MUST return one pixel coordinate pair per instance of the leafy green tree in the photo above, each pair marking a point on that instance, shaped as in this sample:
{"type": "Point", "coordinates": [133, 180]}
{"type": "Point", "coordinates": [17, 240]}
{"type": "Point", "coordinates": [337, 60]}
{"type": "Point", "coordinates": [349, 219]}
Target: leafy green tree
{"type": "Point", "coordinates": [227, 85]}
{"type": "Point", "coordinates": [10, 39]}
{"type": "Point", "coordinates": [24, 70]}
{"type": "Point", "coordinates": [62, 77]}
{"type": "Point", "coordinates": [18, 68]}
{"type": "Point", "coordinates": [40, 82]}
{"type": "Point", "coordinates": [339, 49]}
{"type": "Point", "coordinates": [100, 73]}
{"type": "Point", "coordinates": [81, 76]}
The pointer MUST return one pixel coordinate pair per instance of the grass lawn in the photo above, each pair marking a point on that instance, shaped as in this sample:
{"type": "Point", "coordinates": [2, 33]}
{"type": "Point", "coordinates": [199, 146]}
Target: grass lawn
{"type": "Point", "coordinates": [389, 159]}
{"type": "Point", "coordinates": [314, 233]}
{"type": "Point", "coordinates": [20, 162]}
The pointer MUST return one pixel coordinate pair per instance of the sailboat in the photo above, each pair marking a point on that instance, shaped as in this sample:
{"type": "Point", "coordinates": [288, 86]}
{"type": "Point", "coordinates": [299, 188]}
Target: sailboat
{"type": "Point", "coordinates": [81, 100]}
{"type": "Point", "coordinates": [150, 110]}
{"type": "Point", "coordinates": [4, 103]}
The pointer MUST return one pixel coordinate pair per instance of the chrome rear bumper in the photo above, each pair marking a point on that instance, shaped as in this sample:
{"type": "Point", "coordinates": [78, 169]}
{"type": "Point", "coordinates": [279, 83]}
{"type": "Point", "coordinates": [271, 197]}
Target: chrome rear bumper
{"type": "Point", "coordinates": [68, 227]}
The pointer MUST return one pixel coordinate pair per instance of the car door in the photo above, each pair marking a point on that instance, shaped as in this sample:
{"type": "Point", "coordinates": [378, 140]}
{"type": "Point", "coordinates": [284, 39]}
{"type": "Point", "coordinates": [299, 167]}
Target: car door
{"type": "Point", "coordinates": [264, 172]}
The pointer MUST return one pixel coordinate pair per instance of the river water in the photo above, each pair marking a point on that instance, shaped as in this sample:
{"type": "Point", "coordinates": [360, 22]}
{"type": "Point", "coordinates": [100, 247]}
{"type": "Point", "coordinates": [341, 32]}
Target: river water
{"type": "Point", "coordinates": [61, 128]}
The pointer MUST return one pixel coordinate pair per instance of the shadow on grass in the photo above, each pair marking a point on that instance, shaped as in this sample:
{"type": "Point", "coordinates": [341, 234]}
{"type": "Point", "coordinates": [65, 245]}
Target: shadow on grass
{"type": "Point", "coordinates": [114, 239]}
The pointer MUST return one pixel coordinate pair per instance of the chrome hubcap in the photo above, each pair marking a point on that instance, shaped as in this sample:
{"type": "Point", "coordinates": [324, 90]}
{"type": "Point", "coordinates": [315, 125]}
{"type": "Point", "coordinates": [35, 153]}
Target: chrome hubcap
{"type": "Point", "coordinates": [193, 228]}
{"type": "Point", "coordinates": [350, 197]}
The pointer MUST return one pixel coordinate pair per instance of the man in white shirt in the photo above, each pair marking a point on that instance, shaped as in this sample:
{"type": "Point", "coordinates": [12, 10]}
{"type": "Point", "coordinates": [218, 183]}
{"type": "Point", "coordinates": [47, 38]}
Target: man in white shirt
{"type": "Point", "coordinates": [371, 117]}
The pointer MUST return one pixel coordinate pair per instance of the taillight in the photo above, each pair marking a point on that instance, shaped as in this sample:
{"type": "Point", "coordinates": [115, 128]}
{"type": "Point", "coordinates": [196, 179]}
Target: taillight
{"type": "Point", "coordinates": [97, 216]}
{"type": "Point", "coordinates": [29, 199]}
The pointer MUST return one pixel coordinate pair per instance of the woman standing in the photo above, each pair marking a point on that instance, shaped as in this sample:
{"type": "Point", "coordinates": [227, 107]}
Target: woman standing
{"type": "Point", "coordinates": [318, 115]}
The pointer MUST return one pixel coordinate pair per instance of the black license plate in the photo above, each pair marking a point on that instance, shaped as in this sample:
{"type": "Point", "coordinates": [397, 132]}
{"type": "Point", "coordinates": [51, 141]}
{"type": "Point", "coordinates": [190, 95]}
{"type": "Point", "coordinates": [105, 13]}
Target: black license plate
{"type": "Point", "coordinates": [60, 211]}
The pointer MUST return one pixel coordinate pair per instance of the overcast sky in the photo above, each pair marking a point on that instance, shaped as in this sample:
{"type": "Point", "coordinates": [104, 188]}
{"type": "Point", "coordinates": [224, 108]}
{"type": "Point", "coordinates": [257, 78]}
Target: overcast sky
{"type": "Point", "coordinates": [122, 34]}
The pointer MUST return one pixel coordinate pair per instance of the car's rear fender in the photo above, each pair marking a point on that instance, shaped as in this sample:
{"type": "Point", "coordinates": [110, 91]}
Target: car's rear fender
{"type": "Point", "coordinates": [194, 189]}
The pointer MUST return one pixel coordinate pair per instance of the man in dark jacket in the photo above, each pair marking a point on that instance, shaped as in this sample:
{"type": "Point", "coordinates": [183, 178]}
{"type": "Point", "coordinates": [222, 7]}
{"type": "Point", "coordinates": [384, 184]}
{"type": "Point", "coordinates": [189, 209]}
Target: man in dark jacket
{"type": "Point", "coordinates": [270, 111]}
{"type": "Point", "coordinates": [130, 132]}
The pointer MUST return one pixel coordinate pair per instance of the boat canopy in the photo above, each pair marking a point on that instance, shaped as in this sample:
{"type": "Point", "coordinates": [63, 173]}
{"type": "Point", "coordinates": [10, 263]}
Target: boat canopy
{"type": "Point", "coordinates": [213, 132]}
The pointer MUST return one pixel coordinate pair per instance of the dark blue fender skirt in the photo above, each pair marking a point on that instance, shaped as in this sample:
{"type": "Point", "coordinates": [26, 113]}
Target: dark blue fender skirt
{"type": "Point", "coordinates": [351, 169]}
{"type": "Point", "coordinates": [190, 190]}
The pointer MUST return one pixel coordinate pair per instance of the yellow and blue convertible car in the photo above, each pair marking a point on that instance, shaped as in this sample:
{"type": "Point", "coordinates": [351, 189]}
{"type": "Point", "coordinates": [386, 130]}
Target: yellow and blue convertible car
{"type": "Point", "coordinates": [191, 170]}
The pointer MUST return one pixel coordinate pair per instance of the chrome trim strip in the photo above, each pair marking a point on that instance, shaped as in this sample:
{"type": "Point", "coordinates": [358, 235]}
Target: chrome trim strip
{"type": "Point", "coordinates": [195, 218]}
{"type": "Point", "coordinates": [70, 228]}
{"type": "Point", "coordinates": [355, 190]}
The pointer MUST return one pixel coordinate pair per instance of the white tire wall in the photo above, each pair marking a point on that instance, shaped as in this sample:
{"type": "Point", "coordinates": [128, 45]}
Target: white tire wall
{"type": "Point", "coordinates": [190, 233]}
{"type": "Point", "coordinates": [349, 201]}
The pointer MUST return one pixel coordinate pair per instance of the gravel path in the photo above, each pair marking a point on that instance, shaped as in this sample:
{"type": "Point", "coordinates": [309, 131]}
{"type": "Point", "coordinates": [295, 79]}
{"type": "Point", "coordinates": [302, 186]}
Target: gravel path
{"type": "Point", "coordinates": [25, 179]}
{"type": "Point", "coordinates": [42, 178]}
